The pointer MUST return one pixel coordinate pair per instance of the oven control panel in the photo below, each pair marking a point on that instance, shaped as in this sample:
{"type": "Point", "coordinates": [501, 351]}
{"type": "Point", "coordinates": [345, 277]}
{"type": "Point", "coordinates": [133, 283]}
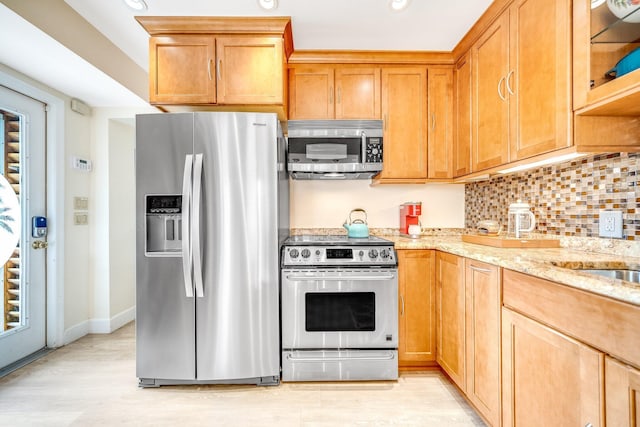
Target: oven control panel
{"type": "Point", "coordinates": [339, 255]}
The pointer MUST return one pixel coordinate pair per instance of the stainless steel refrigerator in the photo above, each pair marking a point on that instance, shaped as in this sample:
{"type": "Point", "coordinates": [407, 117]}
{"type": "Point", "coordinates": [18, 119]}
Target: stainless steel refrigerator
{"type": "Point", "coordinates": [212, 201]}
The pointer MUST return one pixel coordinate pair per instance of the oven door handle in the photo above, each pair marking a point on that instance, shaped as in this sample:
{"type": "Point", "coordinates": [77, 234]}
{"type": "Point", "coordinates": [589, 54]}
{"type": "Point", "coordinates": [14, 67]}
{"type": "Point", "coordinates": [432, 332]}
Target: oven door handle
{"type": "Point", "coordinates": [339, 278]}
{"type": "Point", "coordinates": [389, 356]}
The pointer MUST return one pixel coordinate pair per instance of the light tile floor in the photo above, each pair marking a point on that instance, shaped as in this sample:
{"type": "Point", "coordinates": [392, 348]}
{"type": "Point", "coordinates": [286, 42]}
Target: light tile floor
{"type": "Point", "coordinates": [92, 382]}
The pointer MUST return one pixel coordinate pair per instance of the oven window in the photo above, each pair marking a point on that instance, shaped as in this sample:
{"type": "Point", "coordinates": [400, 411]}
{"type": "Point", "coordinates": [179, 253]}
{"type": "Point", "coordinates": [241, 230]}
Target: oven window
{"type": "Point", "coordinates": [340, 311]}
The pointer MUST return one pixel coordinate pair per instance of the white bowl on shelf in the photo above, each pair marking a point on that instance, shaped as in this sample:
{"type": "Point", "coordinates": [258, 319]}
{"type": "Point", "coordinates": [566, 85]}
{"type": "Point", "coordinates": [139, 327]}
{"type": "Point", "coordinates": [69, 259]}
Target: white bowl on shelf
{"type": "Point", "coordinates": [621, 8]}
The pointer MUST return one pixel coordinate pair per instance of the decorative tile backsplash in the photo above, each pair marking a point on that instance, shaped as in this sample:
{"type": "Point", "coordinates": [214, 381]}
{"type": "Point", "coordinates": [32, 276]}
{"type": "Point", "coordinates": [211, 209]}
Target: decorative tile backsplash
{"type": "Point", "coordinates": [566, 198]}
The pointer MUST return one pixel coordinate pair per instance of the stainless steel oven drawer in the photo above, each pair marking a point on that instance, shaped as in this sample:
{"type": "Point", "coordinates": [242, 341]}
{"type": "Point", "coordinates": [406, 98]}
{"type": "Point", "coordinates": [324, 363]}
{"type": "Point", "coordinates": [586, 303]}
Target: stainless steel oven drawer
{"type": "Point", "coordinates": [339, 365]}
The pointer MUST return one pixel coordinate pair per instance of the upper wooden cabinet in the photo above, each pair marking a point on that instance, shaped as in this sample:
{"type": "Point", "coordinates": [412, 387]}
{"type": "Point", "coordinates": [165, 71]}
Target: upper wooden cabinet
{"type": "Point", "coordinates": [538, 84]}
{"type": "Point", "coordinates": [311, 93]}
{"type": "Point", "coordinates": [416, 318]}
{"type": "Point", "coordinates": [404, 112]}
{"type": "Point", "coordinates": [600, 40]}
{"type": "Point", "coordinates": [440, 126]}
{"type": "Point", "coordinates": [521, 84]}
{"type": "Point", "coordinates": [357, 93]}
{"type": "Point", "coordinates": [217, 61]}
{"type": "Point", "coordinates": [462, 117]}
{"type": "Point", "coordinates": [171, 59]}
{"type": "Point", "coordinates": [334, 93]}
{"type": "Point", "coordinates": [490, 56]}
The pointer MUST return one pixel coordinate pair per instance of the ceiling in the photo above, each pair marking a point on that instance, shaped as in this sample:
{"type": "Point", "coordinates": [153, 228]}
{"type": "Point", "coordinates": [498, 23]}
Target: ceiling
{"type": "Point", "coordinates": [327, 24]}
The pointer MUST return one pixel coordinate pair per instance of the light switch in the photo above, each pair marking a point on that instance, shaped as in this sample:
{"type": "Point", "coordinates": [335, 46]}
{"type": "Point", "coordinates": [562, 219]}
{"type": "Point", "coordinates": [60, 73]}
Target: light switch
{"type": "Point", "coordinates": [81, 218]}
{"type": "Point", "coordinates": [81, 203]}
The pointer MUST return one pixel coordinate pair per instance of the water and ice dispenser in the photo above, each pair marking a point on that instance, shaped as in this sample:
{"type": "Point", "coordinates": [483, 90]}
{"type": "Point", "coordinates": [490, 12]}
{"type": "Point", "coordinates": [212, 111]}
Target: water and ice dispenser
{"type": "Point", "coordinates": [164, 225]}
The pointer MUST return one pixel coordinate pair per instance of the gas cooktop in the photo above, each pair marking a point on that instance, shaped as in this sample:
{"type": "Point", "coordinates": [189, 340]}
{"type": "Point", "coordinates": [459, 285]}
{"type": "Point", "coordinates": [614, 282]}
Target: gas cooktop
{"type": "Point", "coordinates": [335, 239]}
{"type": "Point", "coordinates": [338, 251]}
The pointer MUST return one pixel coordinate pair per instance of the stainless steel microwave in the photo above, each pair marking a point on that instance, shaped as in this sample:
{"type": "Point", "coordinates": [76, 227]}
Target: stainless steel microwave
{"type": "Point", "coordinates": [334, 149]}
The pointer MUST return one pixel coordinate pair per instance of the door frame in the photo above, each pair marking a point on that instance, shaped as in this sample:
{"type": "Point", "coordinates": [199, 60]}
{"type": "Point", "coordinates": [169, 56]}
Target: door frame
{"type": "Point", "coordinates": [55, 203]}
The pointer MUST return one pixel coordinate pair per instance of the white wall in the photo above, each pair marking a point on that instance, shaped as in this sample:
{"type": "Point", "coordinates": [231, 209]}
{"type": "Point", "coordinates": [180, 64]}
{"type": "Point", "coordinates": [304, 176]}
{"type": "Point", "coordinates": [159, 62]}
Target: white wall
{"type": "Point", "coordinates": [326, 204]}
{"type": "Point", "coordinates": [77, 286]}
{"type": "Point", "coordinates": [112, 218]}
{"type": "Point", "coordinates": [122, 224]}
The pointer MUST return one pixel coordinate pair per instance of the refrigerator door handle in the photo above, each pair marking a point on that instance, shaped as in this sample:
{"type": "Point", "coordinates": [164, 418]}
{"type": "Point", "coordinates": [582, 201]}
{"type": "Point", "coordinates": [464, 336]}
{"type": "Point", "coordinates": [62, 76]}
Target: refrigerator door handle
{"type": "Point", "coordinates": [186, 226]}
{"type": "Point", "coordinates": [197, 199]}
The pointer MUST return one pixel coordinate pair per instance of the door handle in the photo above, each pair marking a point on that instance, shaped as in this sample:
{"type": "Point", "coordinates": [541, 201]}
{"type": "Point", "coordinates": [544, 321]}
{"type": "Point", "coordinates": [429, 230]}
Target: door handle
{"type": "Point", "coordinates": [499, 89]}
{"type": "Point", "coordinates": [39, 244]}
{"type": "Point", "coordinates": [507, 80]}
{"type": "Point", "coordinates": [479, 270]}
{"type": "Point", "coordinates": [195, 227]}
{"type": "Point", "coordinates": [186, 226]}
{"type": "Point", "coordinates": [402, 306]}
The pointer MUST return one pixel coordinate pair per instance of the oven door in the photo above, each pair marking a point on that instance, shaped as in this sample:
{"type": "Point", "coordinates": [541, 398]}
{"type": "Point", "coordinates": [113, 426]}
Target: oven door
{"type": "Point", "coordinates": [339, 309]}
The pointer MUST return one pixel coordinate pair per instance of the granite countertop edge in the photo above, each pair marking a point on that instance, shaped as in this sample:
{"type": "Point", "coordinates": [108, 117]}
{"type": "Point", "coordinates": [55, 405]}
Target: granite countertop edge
{"type": "Point", "coordinates": [554, 264]}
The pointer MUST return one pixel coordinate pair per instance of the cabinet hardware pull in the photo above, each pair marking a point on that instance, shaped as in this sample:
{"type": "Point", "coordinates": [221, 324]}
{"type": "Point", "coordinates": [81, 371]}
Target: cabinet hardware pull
{"type": "Point", "coordinates": [433, 121]}
{"type": "Point", "coordinates": [209, 69]}
{"type": "Point", "coordinates": [480, 270]}
{"type": "Point", "coordinates": [507, 80]}
{"type": "Point", "coordinates": [219, 69]}
{"type": "Point", "coordinates": [402, 305]}
{"type": "Point", "coordinates": [499, 89]}
{"type": "Point", "coordinates": [330, 95]}
{"type": "Point", "coordinates": [588, 425]}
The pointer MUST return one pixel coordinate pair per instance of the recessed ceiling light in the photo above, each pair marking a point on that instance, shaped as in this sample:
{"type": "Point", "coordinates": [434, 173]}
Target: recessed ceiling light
{"type": "Point", "coordinates": [268, 4]}
{"type": "Point", "coordinates": [596, 3]}
{"type": "Point", "coordinates": [398, 4]}
{"type": "Point", "coordinates": [137, 5]}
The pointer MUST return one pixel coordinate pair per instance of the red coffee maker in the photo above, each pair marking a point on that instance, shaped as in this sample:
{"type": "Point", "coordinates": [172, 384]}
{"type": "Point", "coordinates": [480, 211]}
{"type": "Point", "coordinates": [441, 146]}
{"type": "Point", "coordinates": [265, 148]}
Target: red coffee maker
{"type": "Point", "coordinates": [409, 215]}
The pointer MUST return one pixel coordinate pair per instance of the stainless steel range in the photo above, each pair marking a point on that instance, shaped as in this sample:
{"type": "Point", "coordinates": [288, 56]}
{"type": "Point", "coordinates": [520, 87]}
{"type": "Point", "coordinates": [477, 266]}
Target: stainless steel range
{"type": "Point", "coordinates": [339, 309]}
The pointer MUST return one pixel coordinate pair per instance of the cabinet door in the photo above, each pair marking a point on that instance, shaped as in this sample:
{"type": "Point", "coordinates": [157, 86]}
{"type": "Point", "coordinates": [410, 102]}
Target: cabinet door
{"type": "Point", "coordinates": [622, 391]}
{"type": "Point", "coordinates": [440, 127]}
{"type": "Point", "coordinates": [538, 82]}
{"type": "Point", "coordinates": [181, 70]}
{"type": "Point", "coordinates": [357, 93]}
{"type": "Point", "coordinates": [490, 103]}
{"type": "Point", "coordinates": [450, 312]}
{"type": "Point", "coordinates": [462, 125]}
{"type": "Point", "coordinates": [483, 302]}
{"type": "Point", "coordinates": [311, 93]}
{"type": "Point", "coordinates": [416, 320]}
{"type": "Point", "coordinates": [548, 379]}
{"type": "Point", "coordinates": [404, 112]}
{"type": "Point", "coordinates": [250, 70]}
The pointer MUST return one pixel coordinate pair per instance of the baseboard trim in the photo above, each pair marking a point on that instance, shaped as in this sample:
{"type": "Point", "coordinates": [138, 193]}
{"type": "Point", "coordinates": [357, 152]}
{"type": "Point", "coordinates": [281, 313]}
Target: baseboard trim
{"type": "Point", "coordinates": [99, 326]}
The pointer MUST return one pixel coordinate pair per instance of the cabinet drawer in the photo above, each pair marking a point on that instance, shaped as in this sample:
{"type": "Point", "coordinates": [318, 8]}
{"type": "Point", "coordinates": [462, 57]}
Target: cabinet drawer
{"type": "Point", "coordinates": [609, 325]}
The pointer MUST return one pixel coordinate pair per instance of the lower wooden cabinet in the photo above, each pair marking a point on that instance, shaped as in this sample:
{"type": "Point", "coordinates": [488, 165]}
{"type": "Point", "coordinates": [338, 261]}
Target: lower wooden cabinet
{"type": "Point", "coordinates": [622, 394]}
{"type": "Point", "coordinates": [482, 319]}
{"type": "Point", "coordinates": [548, 379]}
{"type": "Point", "coordinates": [450, 312]}
{"type": "Point", "coordinates": [416, 317]}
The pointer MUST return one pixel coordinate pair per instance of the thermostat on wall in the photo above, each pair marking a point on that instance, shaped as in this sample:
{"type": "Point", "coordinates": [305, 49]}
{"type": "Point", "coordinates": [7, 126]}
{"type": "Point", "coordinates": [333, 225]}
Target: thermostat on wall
{"type": "Point", "coordinates": [84, 165]}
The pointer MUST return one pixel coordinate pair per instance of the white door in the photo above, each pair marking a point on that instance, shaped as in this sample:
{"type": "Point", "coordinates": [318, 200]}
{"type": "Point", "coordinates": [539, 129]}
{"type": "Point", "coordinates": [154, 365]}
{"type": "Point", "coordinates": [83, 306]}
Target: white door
{"type": "Point", "coordinates": [22, 166]}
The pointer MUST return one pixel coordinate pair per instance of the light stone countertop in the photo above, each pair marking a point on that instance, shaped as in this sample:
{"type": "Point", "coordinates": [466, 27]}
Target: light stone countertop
{"type": "Point", "coordinates": [555, 264]}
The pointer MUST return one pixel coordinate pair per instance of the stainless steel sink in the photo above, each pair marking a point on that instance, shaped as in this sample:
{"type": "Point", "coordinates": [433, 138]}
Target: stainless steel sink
{"type": "Point", "coordinates": [628, 275]}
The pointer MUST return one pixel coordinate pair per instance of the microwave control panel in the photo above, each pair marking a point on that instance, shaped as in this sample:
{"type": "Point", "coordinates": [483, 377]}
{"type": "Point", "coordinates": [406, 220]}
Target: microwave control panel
{"type": "Point", "coordinates": [374, 150]}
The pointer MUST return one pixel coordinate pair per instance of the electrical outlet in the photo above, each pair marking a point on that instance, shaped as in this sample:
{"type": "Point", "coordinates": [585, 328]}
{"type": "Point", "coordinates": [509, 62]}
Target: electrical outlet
{"type": "Point", "coordinates": [610, 224]}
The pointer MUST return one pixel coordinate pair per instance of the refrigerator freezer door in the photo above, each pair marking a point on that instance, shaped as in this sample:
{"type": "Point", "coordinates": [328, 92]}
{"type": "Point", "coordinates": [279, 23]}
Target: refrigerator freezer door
{"type": "Point", "coordinates": [165, 316]}
{"type": "Point", "coordinates": [237, 317]}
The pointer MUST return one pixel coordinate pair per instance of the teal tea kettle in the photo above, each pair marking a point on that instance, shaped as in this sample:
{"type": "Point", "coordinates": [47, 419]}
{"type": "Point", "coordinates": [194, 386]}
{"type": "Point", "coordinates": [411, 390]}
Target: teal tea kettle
{"type": "Point", "coordinates": [357, 228]}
